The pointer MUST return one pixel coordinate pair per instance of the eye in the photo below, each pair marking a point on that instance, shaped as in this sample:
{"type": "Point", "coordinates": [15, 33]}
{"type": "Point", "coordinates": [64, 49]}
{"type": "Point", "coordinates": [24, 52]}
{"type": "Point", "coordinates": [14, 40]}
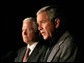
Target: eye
{"type": "Point", "coordinates": [30, 29]}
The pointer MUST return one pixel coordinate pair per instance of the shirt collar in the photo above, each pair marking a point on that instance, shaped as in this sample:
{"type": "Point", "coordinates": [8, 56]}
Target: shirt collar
{"type": "Point", "coordinates": [32, 46]}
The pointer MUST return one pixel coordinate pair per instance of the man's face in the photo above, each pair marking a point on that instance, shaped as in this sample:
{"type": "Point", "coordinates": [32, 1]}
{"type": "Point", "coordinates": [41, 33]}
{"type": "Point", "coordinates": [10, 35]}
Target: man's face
{"type": "Point", "coordinates": [28, 33]}
{"type": "Point", "coordinates": [45, 26]}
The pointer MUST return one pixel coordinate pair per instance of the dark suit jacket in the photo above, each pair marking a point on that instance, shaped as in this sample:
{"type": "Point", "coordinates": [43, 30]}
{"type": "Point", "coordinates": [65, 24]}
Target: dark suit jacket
{"type": "Point", "coordinates": [65, 50]}
{"type": "Point", "coordinates": [37, 54]}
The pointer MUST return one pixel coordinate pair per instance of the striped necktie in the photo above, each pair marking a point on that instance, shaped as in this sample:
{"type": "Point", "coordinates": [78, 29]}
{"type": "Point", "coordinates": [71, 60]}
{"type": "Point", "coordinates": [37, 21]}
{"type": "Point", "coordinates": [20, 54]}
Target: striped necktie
{"type": "Point", "coordinates": [26, 55]}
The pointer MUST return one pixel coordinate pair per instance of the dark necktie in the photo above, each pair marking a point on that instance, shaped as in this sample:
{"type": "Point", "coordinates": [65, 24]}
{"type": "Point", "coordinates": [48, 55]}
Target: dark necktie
{"type": "Point", "coordinates": [47, 54]}
{"type": "Point", "coordinates": [26, 55]}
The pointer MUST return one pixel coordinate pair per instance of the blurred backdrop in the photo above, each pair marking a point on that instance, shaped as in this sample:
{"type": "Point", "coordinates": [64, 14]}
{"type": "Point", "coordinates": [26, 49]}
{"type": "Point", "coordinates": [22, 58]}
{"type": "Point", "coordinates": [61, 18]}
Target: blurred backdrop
{"type": "Point", "coordinates": [13, 12]}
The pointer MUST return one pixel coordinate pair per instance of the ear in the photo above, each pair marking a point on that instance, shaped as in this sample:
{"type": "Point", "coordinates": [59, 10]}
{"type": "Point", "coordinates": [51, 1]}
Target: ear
{"type": "Point", "coordinates": [57, 22]}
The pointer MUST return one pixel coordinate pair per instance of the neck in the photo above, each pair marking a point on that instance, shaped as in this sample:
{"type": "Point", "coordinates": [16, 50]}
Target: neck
{"type": "Point", "coordinates": [52, 41]}
{"type": "Point", "coordinates": [30, 43]}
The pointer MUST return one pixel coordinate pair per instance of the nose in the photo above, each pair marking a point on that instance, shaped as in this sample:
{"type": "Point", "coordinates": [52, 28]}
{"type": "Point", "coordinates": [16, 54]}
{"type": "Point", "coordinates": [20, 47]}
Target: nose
{"type": "Point", "coordinates": [40, 27]}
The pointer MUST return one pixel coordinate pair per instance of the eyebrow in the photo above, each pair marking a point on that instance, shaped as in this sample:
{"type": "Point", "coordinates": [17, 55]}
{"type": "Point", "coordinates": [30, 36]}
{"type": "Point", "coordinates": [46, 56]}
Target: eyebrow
{"type": "Point", "coordinates": [42, 20]}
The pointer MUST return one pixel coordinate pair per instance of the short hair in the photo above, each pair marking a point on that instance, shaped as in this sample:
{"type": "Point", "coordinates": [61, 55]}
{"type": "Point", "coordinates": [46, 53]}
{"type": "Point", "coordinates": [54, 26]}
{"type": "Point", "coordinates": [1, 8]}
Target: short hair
{"type": "Point", "coordinates": [52, 12]}
{"type": "Point", "coordinates": [32, 20]}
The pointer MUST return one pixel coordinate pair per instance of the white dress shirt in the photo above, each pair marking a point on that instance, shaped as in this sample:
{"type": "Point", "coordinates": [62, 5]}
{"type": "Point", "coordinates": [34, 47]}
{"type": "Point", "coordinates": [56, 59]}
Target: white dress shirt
{"type": "Point", "coordinates": [32, 47]}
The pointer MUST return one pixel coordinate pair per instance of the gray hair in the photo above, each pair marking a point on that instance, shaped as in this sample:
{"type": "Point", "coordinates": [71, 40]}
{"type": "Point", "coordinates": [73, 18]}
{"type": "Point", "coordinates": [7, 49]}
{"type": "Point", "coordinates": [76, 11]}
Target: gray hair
{"type": "Point", "coordinates": [52, 12]}
{"type": "Point", "coordinates": [55, 12]}
{"type": "Point", "coordinates": [31, 19]}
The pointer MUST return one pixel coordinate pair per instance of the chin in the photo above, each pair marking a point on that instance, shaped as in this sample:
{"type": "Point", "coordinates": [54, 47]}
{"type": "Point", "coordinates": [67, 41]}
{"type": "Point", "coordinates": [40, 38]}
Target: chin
{"type": "Point", "coordinates": [25, 41]}
{"type": "Point", "coordinates": [45, 38]}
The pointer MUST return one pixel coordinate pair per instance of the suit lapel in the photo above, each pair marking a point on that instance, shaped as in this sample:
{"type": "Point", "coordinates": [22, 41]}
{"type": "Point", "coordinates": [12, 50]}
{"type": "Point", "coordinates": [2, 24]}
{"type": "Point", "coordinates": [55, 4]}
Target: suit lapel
{"type": "Point", "coordinates": [22, 53]}
{"type": "Point", "coordinates": [57, 47]}
{"type": "Point", "coordinates": [53, 52]}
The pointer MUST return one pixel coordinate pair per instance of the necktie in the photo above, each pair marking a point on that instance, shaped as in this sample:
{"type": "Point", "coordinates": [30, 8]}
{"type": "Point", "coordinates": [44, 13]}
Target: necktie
{"type": "Point", "coordinates": [26, 55]}
{"type": "Point", "coordinates": [47, 54]}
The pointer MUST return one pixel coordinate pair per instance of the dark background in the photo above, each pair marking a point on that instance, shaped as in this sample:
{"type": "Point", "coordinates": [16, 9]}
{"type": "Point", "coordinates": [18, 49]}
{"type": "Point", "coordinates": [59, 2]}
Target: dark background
{"type": "Point", "coordinates": [13, 12]}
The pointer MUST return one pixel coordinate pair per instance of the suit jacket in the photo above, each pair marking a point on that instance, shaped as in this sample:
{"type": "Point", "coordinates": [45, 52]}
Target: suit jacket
{"type": "Point", "coordinates": [65, 50]}
{"type": "Point", "coordinates": [37, 54]}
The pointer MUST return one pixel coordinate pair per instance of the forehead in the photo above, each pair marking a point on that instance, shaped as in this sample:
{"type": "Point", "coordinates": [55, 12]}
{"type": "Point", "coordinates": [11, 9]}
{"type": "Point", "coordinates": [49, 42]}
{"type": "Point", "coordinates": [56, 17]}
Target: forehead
{"type": "Point", "coordinates": [42, 15]}
{"type": "Point", "coordinates": [28, 24]}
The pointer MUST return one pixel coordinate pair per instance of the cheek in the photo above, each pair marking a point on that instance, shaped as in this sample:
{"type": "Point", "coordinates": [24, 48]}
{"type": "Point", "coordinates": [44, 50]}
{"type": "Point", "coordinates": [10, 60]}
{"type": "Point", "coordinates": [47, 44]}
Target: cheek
{"type": "Point", "coordinates": [46, 32]}
{"type": "Point", "coordinates": [24, 36]}
{"type": "Point", "coordinates": [49, 30]}
{"type": "Point", "coordinates": [30, 35]}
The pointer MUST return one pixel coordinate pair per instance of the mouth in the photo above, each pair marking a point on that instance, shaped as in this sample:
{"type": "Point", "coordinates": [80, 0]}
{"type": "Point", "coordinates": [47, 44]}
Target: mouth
{"type": "Point", "coordinates": [42, 33]}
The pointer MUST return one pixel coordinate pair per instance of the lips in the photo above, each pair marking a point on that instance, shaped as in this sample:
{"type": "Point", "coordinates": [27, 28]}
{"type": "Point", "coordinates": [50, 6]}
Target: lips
{"type": "Point", "coordinates": [42, 33]}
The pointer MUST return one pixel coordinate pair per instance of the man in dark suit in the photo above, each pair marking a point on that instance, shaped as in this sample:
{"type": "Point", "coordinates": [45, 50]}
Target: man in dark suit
{"type": "Point", "coordinates": [31, 38]}
{"type": "Point", "coordinates": [61, 45]}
